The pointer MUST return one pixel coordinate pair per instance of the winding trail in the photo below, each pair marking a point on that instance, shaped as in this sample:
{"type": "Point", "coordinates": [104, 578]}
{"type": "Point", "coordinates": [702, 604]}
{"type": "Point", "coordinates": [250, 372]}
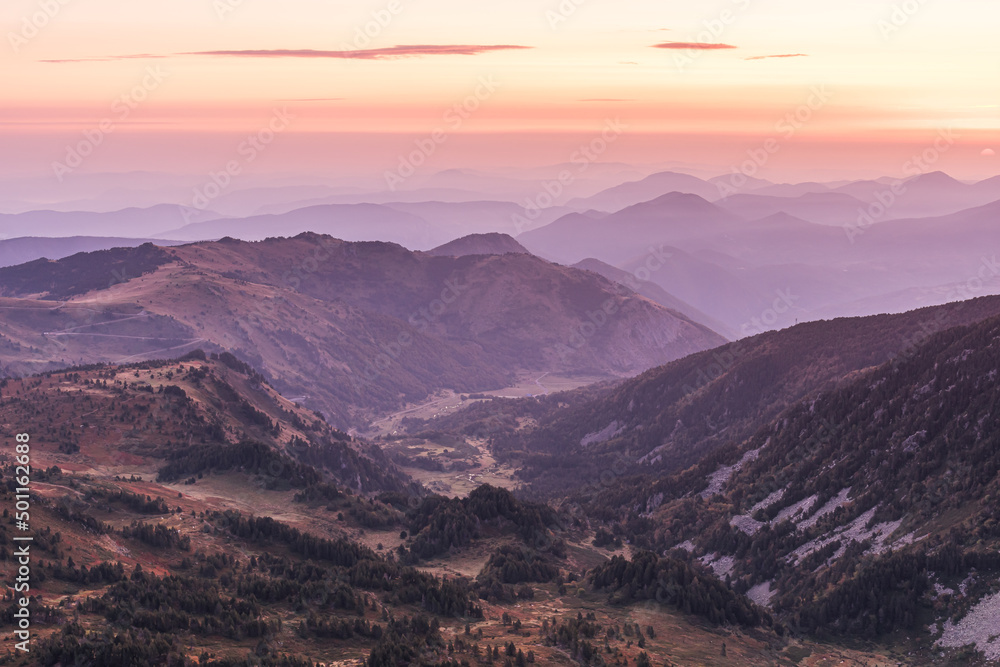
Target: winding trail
{"type": "Point", "coordinates": [143, 315]}
{"type": "Point", "coordinates": [100, 335]}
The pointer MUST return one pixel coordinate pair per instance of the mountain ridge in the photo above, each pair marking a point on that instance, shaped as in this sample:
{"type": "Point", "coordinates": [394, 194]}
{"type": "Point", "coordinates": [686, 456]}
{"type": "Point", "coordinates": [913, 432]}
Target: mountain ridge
{"type": "Point", "coordinates": [312, 308]}
{"type": "Point", "coordinates": [492, 243]}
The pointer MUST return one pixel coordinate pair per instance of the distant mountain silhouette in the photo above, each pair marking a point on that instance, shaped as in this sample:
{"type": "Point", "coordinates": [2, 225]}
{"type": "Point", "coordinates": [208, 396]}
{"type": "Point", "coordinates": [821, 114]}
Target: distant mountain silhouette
{"type": "Point", "coordinates": [29, 248]}
{"type": "Point", "coordinates": [654, 292]}
{"type": "Point", "coordinates": [479, 244]}
{"type": "Point", "coordinates": [651, 187]}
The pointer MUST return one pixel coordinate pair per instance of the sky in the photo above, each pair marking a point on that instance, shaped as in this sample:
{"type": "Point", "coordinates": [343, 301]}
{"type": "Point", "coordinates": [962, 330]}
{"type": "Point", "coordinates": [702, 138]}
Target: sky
{"type": "Point", "coordinates": [846, 88]}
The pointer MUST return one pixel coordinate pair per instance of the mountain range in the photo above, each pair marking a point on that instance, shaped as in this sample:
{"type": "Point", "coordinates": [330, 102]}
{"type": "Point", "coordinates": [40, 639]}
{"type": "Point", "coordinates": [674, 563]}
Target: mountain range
{"type": "Point", "coordinates": [662, 423]}
{"type": "Point", "coordinates": [840, 474]}
{"type": "Point", "coordinates": [731, 265]}
{"type": "Point", "coordinates": [352, 327]}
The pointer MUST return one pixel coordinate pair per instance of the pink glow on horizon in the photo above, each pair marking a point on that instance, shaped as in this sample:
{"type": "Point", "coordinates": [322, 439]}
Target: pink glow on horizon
{"type": "Point", "coordinates": [704, 97]}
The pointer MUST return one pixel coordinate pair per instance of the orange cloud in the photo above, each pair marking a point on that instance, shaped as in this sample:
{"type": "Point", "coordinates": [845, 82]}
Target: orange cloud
{"type": "Point", "coordinates": [402, 51]}
{"type": "Point", "coordinates": [693, 45]}
{"type": "Point", "coordinates": [780, 55]}
{"type": "Point", "coordinates": [367, 54]}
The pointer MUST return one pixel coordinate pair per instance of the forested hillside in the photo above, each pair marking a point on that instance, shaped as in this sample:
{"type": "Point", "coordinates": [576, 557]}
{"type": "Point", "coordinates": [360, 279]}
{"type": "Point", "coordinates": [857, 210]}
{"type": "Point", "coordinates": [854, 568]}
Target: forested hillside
{"type": "Point", "coordinates": [673, 416]}
{"type": "Point", "coordinates": [865, 511]}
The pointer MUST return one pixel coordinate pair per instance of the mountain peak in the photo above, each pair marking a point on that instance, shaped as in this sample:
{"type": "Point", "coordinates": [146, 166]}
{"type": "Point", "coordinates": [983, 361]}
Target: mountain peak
{"type": "Point", "coordinates": [679, 202]}
{"type": "Point", "coordinates": [935, 178]}
{"type": "Point", "coordinates": [493, 243]}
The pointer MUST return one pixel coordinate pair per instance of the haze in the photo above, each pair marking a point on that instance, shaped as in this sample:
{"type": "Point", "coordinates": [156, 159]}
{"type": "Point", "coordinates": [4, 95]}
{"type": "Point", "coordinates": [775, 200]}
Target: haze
{"type": "Point", "coordinates": [896, 75]}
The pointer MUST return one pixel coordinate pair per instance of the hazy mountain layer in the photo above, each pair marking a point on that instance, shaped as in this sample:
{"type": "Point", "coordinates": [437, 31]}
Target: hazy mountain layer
{"type": "Point", "coordinates": [350, 327]}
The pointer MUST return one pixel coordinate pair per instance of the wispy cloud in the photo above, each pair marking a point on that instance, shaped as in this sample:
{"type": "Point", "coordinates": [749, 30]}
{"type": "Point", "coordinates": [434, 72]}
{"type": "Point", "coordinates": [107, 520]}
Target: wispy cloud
{"type": "Point", "coordinates": [780, 55]}
{"type": "Point", "coordinates": [693, 45]}
{"type": "Point", "coordinates": [402, 51]}
{"type": "Point", "coordinates": [106, 59]}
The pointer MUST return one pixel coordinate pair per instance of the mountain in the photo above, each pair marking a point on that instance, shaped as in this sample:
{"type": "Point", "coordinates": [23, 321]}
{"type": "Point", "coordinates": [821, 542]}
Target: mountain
{"type": "Point", "coordinates": [449, 218]}
{"type": "Point", "coordinates": [968, 231]}
{"type": "Point", "coordinates": [936, 251]}
{"type": "Point", "coordinates": [726, 184]}
{"type": "Point", "coordinates": [184, 502]}
{"type": "Point", "coordinates": [651, 187]}
{"type": "Point", "coordinates": [653, 292]}
{"type": "Point", "coordinates": [671, 417]}
{"type": "Point", "coordinates": [29, 248]}
{"type": "Point", "coordinates": [930, 194]}
{"type": "Point", "coordinates": [459, 218]}
{"type": "Point", "coordinates": [354, 222]}
{"type": "Point", "coordinates": [708, 257]}
{"type": "Point", "coordinates": [511, 186]}
{"type": "Point", "coordinates": [243, 202]}
{"type": "Point", "coordinates": [622, 235]}
{"type": "Point", "coordinates": [520, 184]}
{"type": "Point", "coordinates": [182, 508]}
{"type": "Point", "coordinates": [787, 494]}
{"type": "Point", "coordinates": [850, 488]}
{"type": "Point", "coordinates": [177, 415]}
{"type": "Point", "coordinates": [741, 265]}
{"type": "Point", "coordinates": [419, 225]}
{"type": "Point", "coordinates": [792, 189]}
{"type": "Point", "coordinates": [81, 272]}
{"type": "Point", "coordinates": [353, 328]}
{"type": "Point", "coordinates": [826, 208]}
{"type": "Point", "coordinates": [725, 288]}
{"type": "Point", "coordinates": [129, 222]}
{"type": "Point", "coordinates": [691, 224]}
{"type": "Point", "coordinates": [479, 244]}
{"type": "Point", "coordinates": [105, 192]}
{"type": "Point", "coordinates": [865, 511]}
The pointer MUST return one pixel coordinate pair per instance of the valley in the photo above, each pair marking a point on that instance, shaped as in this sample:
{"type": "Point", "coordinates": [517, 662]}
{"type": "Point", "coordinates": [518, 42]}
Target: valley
{"type": "Point", "coordinates": [821, 494]}
{"type": "Point", "coordinates": [444, 334]}
{"type": "Point", "coordinates": [112, 460]}
{"type": "Point", "coordinates": [450, 466]}
{"type": "Point", "coordinates": [110, 474]}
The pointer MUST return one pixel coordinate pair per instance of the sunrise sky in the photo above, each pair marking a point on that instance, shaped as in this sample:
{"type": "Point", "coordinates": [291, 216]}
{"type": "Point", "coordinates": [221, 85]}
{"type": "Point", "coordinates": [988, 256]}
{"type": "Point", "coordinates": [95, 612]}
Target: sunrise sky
{"type": "Point", "coordinates": [893, 75]}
